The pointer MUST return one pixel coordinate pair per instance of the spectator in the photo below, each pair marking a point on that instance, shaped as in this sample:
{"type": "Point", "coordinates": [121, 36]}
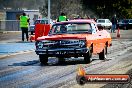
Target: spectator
{"type": "Point", "coordinates": [62, 17]}
{"type": "Point", "coordinates": [114, 23]}
{"type": "Point", "coordinates": [24, 24]}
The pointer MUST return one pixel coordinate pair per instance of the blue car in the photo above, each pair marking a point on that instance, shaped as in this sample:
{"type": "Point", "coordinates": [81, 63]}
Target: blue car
{"type": "Point", "coordinates": [125, 24]}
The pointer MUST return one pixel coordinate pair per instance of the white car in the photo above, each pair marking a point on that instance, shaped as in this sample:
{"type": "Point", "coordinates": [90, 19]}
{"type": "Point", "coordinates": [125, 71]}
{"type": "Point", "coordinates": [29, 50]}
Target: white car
{"type": "Point", "coordinates": [105, 23]}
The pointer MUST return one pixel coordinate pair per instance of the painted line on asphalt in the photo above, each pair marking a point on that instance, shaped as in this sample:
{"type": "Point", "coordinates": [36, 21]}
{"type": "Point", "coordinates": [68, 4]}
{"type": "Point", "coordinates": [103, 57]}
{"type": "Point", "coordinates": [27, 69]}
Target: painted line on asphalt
{"type": "Point", "coordinates": [17, 53]}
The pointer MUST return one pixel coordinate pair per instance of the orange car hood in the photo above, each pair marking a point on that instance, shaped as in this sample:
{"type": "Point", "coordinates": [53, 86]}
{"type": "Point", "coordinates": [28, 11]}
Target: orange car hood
{"type": "Point", "coordinates": [64, 36]}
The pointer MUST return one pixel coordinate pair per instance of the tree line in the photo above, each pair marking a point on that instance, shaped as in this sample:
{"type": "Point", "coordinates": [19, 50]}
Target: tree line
{"type": "Point", "coordinates": [73, 8]}
{"type": "Point", "coordinates": [107, 8]}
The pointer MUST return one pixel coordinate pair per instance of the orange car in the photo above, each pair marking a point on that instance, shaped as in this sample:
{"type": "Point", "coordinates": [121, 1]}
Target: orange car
{"type": "Point", "coordinates": [74, 38]}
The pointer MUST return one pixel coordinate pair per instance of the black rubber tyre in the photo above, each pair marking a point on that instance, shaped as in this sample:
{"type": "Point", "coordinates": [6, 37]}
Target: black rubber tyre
{"type": "Point", "coordinates": [102, 55]}
{"type": "Point", "coordinates": [43, 59]}
{"type": "Point", "coordinates": [88, 55]}
{"type": "Point", "coordinates": [80, 80]}
{"type": "Point", "coordinates": [106, 50]}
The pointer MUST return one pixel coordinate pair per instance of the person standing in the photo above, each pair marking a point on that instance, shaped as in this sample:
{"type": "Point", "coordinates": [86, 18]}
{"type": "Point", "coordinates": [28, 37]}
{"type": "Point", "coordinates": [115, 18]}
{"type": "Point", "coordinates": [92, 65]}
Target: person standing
{"type": "Point", "coordinates": [62, 17]}
{"type": "Point", "coordinates": [114, 23]}
{"type": "Point", "coordinates": [24, 24]}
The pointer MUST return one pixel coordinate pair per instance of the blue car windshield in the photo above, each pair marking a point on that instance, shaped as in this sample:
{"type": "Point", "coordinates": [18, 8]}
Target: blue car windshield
{"type": "Point", "coordinates": [70, 28]}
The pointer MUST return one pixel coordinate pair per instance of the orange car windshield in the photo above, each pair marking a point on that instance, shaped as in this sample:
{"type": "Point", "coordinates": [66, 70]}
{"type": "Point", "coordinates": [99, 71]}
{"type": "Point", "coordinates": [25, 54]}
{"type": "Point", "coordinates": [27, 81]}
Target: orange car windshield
{"type": "Point", "coordinates": [71, 28]}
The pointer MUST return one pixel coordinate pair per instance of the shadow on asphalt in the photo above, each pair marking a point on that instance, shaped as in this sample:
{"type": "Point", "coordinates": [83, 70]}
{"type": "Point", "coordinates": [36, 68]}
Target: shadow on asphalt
{"type": "Point", "coordinates": [67, 63]}
{"type": "Point", "coordinates": [28, 63]}
{"type": "Point", "coordinates": [37, 63]}
{"type": "Point", "coordinates": [53, 62]}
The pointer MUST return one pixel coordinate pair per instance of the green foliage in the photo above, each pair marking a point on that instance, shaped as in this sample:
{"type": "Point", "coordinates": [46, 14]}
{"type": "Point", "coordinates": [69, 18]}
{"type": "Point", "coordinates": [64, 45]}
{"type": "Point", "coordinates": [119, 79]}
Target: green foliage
{"type": "Point", "coordinates": [102, 8]}
{"type": "Point", "coordinates": [107, 8]}
{"type": "Point", "coordinates": [19, 4]}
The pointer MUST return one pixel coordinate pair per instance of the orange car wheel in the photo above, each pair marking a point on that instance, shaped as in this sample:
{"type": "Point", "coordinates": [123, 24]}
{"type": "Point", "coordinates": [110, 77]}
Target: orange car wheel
{"type": "Point", "coordinates": [102, 55]}
{"type": "Point", "coordinates": [88, 55]}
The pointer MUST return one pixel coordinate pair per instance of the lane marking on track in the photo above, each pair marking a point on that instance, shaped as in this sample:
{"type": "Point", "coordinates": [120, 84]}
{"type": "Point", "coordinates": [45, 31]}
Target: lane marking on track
{"type": "Point", "coordinates": [17, 53]}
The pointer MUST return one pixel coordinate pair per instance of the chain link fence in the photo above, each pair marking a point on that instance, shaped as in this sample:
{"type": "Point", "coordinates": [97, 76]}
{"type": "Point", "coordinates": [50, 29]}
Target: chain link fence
{"type": "Point", "coordinates": [9, 25]}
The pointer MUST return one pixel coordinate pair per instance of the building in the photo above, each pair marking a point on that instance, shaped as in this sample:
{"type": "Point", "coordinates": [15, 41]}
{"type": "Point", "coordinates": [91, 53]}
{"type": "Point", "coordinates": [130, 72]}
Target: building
{"type": "Point", "coordinates": [33, 14]}
{"type": "Point", "coordinates": [14, 15]}
{"type": "Point", "coordinates": [9, 19]}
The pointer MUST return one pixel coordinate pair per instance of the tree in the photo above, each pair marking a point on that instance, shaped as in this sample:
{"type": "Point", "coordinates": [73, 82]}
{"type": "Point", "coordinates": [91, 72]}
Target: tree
{"type": "Point", "coordinates": [68, 7]}
{"type": "Point", "coordinates": [110, 7]}
{"type": "Point", "coordinates": [20, 4]}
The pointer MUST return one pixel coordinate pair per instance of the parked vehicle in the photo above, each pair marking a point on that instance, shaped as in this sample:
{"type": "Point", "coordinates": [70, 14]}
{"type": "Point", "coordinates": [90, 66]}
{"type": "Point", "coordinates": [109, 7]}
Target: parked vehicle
{"type": "Point", "coordinates": [106, 23]}
{"type": "Point", "coordinates": [125, 24]}
{"type": "Point", "coordinates": [130, 24]}
{"type": "Point", "coordinates": [75, 38]}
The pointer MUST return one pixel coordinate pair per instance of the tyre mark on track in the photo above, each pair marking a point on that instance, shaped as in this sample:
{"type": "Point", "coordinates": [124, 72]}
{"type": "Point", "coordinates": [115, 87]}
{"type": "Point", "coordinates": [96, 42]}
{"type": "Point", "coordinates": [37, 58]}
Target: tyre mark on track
{"type": "Point", "coordinates": [46, 78]}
